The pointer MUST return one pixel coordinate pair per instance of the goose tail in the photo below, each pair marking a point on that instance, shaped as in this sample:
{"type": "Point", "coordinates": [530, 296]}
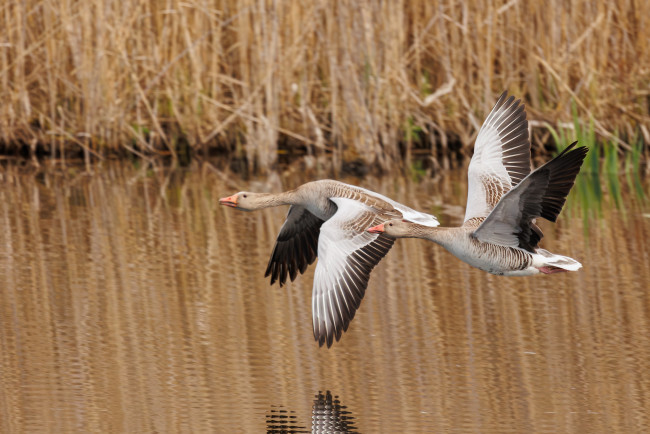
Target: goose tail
{"type": "Point", "coordinates": [559, 262]}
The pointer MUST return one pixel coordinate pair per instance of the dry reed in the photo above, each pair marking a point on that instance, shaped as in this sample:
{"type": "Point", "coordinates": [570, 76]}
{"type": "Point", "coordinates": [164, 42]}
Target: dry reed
{"type": "Point", "coordinates": [338, 80]}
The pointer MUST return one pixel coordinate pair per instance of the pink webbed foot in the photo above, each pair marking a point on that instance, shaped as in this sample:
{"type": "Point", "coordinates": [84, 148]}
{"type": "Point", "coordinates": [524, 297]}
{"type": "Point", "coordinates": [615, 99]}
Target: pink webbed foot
{"type": "Point", "coordinates": [551, 270]}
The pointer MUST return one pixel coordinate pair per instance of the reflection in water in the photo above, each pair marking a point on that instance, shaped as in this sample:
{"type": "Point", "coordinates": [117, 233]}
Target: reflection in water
{"type": "Point", "coordinates": [280, 421]}
{"type": "Point", "coordinates": [328, 416]}
{"type": "Point", "coordinates": [130, 301]}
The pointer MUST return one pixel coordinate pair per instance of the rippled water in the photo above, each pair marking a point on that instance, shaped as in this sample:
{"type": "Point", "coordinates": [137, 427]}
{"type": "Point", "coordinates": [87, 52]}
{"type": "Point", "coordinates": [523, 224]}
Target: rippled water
{"type": "Point", "coordinates": [132, 302]}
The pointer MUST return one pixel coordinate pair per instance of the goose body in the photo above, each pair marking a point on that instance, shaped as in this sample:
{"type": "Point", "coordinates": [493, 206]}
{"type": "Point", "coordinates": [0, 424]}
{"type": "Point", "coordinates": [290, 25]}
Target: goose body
{"type": "Point", "coordinates": [328, 219]}
{"type": "Point", "coordinates": [490, 257]}
{"type": "Point", "coordinates": [499, 234]}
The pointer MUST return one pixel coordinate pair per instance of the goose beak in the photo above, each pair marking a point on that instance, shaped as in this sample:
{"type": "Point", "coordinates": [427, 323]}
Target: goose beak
{"type": "Point", "coordinates": [376, 229]}
{"type": "Point", "coordinates": [230, 201]}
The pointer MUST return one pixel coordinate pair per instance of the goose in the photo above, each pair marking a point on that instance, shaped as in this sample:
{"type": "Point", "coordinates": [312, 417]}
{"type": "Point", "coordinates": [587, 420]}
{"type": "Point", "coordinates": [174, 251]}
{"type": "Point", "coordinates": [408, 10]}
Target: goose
{"type": "Point", "coordinates": [328, 219]}
{"type": "Point", "coordinates": [499, 234]}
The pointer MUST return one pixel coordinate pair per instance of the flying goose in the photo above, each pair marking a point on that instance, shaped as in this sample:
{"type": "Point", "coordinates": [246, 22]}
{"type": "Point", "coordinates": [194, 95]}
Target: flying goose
{"type": "Point", "coordinates": [328, 219]}
{"type": "Point", "coordinates": [499, 234]}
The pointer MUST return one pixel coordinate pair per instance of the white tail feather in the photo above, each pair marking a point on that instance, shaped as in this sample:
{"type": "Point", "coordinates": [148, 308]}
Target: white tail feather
{"type": "Point", "coordinates": [559, 261]}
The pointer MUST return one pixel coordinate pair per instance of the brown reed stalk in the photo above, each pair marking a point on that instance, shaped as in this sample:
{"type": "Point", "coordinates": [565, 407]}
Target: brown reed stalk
{"type": "Point", "coordinates": [340, 80]}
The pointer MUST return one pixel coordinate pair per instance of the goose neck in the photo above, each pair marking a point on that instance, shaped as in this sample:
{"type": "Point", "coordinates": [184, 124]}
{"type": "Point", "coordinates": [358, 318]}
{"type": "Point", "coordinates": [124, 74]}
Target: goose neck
{"type": "Point", "coordinates": [441, 236]}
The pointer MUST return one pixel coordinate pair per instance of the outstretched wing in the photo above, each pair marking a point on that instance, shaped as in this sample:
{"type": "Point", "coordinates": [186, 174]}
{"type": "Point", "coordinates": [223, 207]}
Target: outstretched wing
{"type": "Point", "coordinates": [540, 194]}
{"type": "Point", "coordinates": [296, 246]}
{"type": "Point", "coordinates": [346, 256]}
{"type": "Point", "coordinates": [501, 157]}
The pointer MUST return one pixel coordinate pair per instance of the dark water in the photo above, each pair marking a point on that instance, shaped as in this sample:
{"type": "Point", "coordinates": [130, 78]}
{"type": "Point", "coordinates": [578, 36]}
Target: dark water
{"type": "Point", "coordinates": [132, 302]}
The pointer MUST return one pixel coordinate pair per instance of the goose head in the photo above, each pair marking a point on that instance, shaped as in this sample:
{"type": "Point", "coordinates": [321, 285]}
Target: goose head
{"type": "Point", "coordinates": [394, 228]}
{"type": "Point", "coordinates": [244, 200]}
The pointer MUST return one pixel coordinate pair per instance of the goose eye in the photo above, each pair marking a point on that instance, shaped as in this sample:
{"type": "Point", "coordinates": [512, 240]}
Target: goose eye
{"type": "Point", "coordinates": [245, 195]}
{"type": "Point", "coordinates": [390, 224]}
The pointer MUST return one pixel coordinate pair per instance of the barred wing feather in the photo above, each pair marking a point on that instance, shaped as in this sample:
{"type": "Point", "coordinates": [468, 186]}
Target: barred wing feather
{"type": "Point", "coordinates": [501, 157]}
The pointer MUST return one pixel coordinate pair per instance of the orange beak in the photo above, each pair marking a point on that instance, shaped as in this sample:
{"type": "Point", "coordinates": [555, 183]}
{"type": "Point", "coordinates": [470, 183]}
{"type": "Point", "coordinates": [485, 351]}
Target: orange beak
{"type": "Point", "coordinates": [376, 229]}
{"type": "Point", "coordinates": [230, 201]}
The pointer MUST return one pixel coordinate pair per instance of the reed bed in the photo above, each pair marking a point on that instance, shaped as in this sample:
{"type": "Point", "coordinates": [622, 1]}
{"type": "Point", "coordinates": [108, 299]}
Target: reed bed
{"type": "Point", "coordinates": [337, 81]}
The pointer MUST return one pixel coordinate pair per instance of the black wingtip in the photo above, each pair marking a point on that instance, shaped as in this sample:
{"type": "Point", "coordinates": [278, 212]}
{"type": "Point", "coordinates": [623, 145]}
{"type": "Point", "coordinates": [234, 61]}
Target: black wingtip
{"type": "Point", "coordinates": [330, 336]}
{"type": "Point", "coordinates": [507, 101]}
{"type": "Point", "coordinates": [501, 98]}
{"type": "Point", "coordinates": [580, 152]}
{"type": "Point", "coordinates": [563, 171]}
{"type": "Point", "coordinates": [327, 337]}
{"type": "Point", "coordinates": [568, 148]}
{"type": "Point", "coordinates": [577, 154]}
{"type": "Point", "coordinates": [320, 334]}
{"type": "Point", "coordinates": [294, 251]}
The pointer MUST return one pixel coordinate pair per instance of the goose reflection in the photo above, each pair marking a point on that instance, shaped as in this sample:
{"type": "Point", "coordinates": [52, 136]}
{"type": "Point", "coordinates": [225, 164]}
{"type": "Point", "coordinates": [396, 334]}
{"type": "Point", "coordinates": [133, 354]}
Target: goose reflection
{"type": "Point", "coordinates": [328, 416]}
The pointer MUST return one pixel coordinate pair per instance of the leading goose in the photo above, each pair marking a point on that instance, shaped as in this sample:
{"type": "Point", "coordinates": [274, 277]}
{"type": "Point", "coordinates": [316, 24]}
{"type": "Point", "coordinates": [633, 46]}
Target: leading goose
{"type": "Point", "coordinates": [499, 234]}
{"type": "Point", "coordinates": [329, 219]}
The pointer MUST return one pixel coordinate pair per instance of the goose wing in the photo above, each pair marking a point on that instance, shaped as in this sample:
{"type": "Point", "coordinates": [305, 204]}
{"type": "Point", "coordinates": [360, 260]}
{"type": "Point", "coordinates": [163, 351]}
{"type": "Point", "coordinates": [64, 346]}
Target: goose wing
{"type": "Point", "coordinates": [296, 245]}
{"type": "Point", "coordinates": [501, 157]}
{"type": "Point", "coordinates": [346, 256]}
{"type": "Point", "coordinates": [541, 194]}
{"type": "Point", "coordinates": [407, 213]}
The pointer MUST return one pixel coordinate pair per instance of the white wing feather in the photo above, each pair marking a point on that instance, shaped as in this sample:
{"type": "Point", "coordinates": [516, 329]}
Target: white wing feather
{"type": "Point", "coordinates": [343, 267]}
{"type": "Point", "coordinates": [501, 157]}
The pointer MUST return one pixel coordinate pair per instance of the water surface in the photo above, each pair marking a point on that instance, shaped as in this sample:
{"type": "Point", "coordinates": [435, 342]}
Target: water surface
{"type": "Point", "coordinates": [132, 302]}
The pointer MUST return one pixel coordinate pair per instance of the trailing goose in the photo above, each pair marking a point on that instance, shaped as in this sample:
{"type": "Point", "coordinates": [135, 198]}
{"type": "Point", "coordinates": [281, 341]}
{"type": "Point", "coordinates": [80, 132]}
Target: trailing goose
{"type": "Point", "coordinates": [499, 234]}
{"type": "Point", "coordinates": [328, 219]}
